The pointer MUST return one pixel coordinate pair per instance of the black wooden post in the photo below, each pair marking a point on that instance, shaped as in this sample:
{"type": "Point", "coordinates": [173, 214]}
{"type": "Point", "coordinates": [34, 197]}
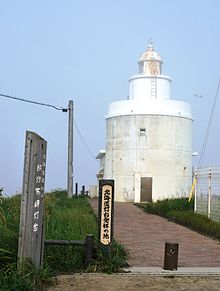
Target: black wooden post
{"type": "Point", "coordinates": [83, 190]}
{"type": "Point", "coordinates": [89, 248]}
{"type": "Point", "coordinates": [76, 189]}
{"type": "Point", "coordinates": [31, 232]}
{"type": "Point", "coordinates": [106, 212]}
{"type": "Point", "coordinates": [171, 256]}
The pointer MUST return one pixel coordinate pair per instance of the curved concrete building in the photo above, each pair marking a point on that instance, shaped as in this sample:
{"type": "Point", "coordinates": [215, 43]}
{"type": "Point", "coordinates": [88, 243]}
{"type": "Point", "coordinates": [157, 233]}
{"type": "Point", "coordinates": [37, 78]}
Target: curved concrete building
{"type": "Point", "coordinates": [148, 138]}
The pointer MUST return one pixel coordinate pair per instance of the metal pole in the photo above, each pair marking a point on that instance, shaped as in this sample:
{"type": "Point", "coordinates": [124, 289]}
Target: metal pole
{"type": "Point", "coordinates": [209, 193]}
{"type": "Point", "coordinates": [195, 191]}
{"type": "Point", "coordinates": [70, 151]}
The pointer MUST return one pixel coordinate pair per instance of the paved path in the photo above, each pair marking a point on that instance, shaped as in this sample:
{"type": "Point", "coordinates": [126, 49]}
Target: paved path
{"type": "Point", "coordinates": [144, 235]}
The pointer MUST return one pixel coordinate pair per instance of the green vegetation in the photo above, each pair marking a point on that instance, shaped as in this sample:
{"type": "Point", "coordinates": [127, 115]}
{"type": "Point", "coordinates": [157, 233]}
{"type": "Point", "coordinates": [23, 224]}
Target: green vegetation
{"type": "Point", "coordinates": [181, 211]}
{"type": "Point", "coordinates": [164, 207]}
{"type": "Point", "coordinates": [65, 218]}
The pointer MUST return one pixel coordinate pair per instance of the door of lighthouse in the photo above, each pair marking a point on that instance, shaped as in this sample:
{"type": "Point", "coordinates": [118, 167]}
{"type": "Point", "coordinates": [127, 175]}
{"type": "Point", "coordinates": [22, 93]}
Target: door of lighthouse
{"type": "Point", "coordinates": [146, 189]}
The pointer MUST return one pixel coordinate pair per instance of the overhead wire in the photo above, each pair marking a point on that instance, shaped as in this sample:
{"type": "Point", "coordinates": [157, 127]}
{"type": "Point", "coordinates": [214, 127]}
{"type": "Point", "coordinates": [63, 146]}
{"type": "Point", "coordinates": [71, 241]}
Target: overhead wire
{"type": "Point", "coordinates": [57, 108]}
{"type": "Point", "coordinates": [208, 128]}
{"type": "Point", "coordinates": [83, 140]}
{"type": "Point", "coordinates": [34, 102]}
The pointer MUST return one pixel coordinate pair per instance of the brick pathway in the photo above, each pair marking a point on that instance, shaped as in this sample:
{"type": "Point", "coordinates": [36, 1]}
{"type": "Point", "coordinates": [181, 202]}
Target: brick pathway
{"type": "Point", "coordinates": [144, 235]}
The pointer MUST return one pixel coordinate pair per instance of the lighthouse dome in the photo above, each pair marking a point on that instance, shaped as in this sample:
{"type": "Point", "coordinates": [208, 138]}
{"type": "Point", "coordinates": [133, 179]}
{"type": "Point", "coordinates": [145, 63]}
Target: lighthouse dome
{"type": "Point", "coordinates": [150, 62]}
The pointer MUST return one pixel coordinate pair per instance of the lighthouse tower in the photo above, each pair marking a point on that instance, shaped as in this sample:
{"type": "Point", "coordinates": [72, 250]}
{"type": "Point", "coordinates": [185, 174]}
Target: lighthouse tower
{"type": "Point", "coordinates": [148, 138]}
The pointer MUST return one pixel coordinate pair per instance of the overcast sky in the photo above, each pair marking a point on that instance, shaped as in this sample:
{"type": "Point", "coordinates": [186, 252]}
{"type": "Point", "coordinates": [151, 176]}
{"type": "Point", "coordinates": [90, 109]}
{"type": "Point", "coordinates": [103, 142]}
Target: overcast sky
{"type": "Point", "coordinates": [53, 51]}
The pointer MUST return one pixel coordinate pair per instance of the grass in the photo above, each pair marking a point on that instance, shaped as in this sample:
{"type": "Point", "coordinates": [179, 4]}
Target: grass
{"type": "Point", "coordinates": [9, 228]}
{"type": "Point", "coordinates": [181, 211]}
{"type": "Point", "coordinates": [163, 207]}
{"type": "Point", "coordinates": [65, 218]}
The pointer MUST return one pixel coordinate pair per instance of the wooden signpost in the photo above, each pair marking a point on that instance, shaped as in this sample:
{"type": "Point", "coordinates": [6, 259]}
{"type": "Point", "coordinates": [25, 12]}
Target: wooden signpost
{"type": "Point", "coordinates": [106, 212]}
{"type": "Point", "coordinates": [31, 233]}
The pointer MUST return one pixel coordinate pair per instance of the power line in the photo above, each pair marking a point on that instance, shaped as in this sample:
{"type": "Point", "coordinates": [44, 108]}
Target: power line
{"type": "Point", "coordinates": [57, 108]}
{"type": "Point", "coordinates": [34, 102]}
{"type": "Point", "coordinates": [84, 141]}
{"type": "Point", "coordinates": [208, 128]}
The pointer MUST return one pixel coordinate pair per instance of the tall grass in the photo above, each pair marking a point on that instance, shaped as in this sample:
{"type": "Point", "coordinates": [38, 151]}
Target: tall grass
{"type": "Point", "coordinates": [163, 207]}
{"type": "Point", "coordinates": [9, 228]}
{"type": "Point", "coordinates": [65, 219]}
{"type": "Point", "coordinates": [73, 219]}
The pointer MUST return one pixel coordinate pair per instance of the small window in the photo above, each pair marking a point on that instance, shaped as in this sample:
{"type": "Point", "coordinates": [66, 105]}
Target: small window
{"type": "Point", "coordinates": [142, 131]}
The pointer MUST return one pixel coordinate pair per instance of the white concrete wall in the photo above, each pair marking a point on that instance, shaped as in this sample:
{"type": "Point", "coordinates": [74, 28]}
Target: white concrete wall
{"type": "Point", "coordinates": [164, 153]}
{"type": "Point", "coordinates": [140, 87]}
{"type": "Point", "coordinates": [93, 191]}
{"type": "Point", "coordinates": [102, 162]}
{"type": "Point", "coordinates": [160, 107]}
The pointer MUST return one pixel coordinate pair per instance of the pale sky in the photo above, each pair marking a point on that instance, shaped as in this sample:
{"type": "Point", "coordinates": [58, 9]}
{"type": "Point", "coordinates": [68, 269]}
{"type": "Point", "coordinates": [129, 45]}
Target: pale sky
{"type": "Point", "coordinates": [53, 51]}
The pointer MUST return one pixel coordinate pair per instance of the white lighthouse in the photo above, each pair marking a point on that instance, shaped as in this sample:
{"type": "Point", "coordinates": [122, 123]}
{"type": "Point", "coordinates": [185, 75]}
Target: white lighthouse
{"type": "Point", "coordinates": [148, 138]}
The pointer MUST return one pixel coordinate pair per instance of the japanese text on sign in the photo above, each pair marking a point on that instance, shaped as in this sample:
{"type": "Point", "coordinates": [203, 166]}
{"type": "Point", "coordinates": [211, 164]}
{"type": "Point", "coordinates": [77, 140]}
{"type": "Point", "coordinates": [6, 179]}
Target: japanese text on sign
{"type": "Point", "coordinates": [106, 218]}
{"type": "Point", "coordinates": [39, 192]}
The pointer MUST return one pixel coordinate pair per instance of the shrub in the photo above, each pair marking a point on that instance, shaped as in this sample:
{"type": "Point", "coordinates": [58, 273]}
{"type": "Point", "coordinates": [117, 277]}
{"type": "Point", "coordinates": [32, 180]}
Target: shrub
{"type": "Point", "coordinates": [163, 207]}
{"type": "Point", "coordinates": [197, 222]}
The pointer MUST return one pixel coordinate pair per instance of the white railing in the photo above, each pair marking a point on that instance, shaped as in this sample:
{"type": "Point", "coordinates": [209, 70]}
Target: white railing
{"type": "Point", "coordinates": [207, 192]}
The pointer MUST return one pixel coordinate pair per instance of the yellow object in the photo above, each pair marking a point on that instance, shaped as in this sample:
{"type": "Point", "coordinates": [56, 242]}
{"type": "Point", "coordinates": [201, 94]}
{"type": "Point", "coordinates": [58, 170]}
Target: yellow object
{"type": "Point", "coordinates": [192, 189]}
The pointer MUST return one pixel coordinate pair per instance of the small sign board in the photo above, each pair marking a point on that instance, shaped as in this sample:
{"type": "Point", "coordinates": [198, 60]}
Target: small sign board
{"type": "Point", "coordinates": [31, 233]}
{"type": "Point", "coordinates": [106, 211]}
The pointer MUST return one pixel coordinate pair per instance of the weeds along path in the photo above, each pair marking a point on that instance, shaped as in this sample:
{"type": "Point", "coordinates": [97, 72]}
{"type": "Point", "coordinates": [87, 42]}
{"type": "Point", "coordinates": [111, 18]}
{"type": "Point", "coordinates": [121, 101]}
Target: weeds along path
{"type": "Point", "coordinates": [144, 235]}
